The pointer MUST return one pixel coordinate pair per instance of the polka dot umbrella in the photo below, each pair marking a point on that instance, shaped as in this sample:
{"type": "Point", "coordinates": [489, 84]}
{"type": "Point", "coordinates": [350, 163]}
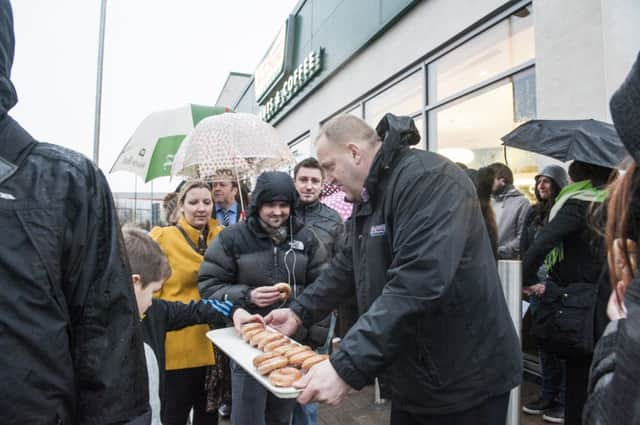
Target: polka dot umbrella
{"type": "Point", "coordinates": [239, 145]}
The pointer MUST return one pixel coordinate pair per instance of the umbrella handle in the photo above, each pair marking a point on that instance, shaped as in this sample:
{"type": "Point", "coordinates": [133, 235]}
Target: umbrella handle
{"type": "Point", "coordinates": [505, 155]}
{"type": "Point", "coordinates": [239, 189]}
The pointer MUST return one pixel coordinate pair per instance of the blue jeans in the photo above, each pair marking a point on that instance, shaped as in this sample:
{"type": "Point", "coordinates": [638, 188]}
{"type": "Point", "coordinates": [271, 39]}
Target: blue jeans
{"type": "Point", "coordinates": [305, 414]}
{"type": "Point", "coordinates": [553, 368]}
{"type": "Point", "coordinates": [253, 404]}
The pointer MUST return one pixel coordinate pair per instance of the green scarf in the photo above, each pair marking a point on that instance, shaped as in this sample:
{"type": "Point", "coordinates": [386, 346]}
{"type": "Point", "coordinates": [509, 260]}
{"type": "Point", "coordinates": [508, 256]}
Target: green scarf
{"type": "Point", "coordinates": [582, 190]}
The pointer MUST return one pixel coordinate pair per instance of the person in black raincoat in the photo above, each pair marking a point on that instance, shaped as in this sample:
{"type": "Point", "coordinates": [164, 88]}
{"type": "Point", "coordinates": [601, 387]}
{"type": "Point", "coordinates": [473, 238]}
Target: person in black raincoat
{"type": "Point", "coordinates": [70, 337]}
{"type": "Point", "coordinates": [434, 324]}
{"type": "Point", "coordinates": [613, 385]}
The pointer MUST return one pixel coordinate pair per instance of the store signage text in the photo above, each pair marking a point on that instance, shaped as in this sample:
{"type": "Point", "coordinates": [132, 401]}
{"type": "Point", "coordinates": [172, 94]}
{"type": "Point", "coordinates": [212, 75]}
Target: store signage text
{"type": "Point", "coordinates": [274, 64]}
{"type": "Point", "coordinates": [308, 69]}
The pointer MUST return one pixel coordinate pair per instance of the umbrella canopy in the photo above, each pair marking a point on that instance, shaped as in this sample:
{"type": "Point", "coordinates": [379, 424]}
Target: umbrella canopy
{"type": "Point", "coordinates": [238, 143]}
{"type": "Point", "coordinates": [150, 151]}
{"type": "Point", "coordinates": [591, 141]}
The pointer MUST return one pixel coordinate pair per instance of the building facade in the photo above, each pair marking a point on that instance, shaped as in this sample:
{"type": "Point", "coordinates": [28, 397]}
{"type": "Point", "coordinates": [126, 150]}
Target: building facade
{"type": "Point", "coordinates": [467, 71]}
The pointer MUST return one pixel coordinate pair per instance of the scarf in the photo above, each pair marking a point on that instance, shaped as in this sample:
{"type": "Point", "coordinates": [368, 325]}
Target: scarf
{"type": "Point", "coordinates": [582, 190]}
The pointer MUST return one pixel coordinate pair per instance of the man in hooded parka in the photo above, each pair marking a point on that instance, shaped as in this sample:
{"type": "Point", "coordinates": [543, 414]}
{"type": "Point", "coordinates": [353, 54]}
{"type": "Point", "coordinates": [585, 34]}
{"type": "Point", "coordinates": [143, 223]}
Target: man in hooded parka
{"type": "Point", "coordinates": [434, 324]}
{"type": "Point", "coordinates": [70, 339]}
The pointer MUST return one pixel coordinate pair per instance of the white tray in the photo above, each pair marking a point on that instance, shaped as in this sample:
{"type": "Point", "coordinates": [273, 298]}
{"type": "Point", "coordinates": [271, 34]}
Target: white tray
{"type": "Point", "coordinates": [228, 340]}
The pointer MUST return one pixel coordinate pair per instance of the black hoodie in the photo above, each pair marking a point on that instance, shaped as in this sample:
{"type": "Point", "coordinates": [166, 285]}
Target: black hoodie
{"type": "Point", "coordinates": [244, 256]}
{"type": "Point", "coordinates": [70, 337]}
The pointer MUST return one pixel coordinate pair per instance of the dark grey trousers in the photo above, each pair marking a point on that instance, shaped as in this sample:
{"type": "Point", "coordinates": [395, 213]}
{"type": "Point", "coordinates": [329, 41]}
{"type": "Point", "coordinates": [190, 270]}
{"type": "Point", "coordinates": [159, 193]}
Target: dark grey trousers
{"type": "Point", "coordinates": [250, 399]}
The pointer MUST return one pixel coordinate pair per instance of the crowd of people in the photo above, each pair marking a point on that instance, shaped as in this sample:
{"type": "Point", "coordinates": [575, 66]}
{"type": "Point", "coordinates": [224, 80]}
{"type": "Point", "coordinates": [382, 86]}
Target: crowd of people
{"type": "Point", "coordinates": [106, 325]}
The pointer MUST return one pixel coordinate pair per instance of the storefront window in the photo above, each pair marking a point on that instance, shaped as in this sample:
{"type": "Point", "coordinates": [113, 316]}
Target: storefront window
{"type": "Point", "coordinates": [469, 129]}
{"type": "Point", "coordinates": [355, 111]}
{"type": "Point", "coordinates": [506, 45]}
{"type": "Point", "coordinates": [301, 148]}
{"type": "Point", "coordinates": [403, 98]}
{"type": "Point", "coordinates": [419, 121]}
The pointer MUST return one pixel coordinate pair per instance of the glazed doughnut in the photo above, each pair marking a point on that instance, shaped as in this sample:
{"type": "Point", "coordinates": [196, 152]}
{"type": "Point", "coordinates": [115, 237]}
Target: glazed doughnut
{"type": "Point", "coordinates": [273, 336]}
{"type": "Point", "coordinates": [250, 333]}
{"type": "Point", "coordinates": [259, 337]}
{"type": "Point", "coordinates": [250, 326]}
{"type": "Point", "coordinates": [285, 377]}
{"type": "Point", "coordinates": [298, 349]}
{"type": "Point", "coordinates": [297, 359]}
{"type": "Point", "coordinates": [313, 360]}
{"type": "Point", "coordinates": [272, 345]}
{"type": "Point", "coordinates": [281, 350]}
{"type": "Point", "coordinates": [284, 289]}
{"type": "Point", "coordinates": [257, 360]}
{"type": "Point", "coordinates": [272, 364]}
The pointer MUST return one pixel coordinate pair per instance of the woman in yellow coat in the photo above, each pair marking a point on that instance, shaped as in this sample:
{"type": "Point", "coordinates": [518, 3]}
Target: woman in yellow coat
{"type": "Point", "coordinates": [188, 351]}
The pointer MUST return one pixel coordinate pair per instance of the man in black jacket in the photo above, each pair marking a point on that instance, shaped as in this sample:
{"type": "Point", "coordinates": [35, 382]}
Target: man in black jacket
{"type": "Point", "coordinates": [434, 322]}
{"type": "Point", "coordinates": [242, 265]}
{"type": "Point", "coordinates": [72, 350]}
{"type": "Point", "coordinates": [323, 221]}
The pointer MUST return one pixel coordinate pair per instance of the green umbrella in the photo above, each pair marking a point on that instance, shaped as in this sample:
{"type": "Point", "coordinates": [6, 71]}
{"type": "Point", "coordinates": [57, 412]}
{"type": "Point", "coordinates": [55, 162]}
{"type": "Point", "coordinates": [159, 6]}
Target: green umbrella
{"type": "Point", "coordinates": [150, 151]}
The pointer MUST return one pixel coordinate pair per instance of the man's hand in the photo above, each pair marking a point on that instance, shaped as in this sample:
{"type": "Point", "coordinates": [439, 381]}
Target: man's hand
{"type": "Point", "coordinates": [283, 320]}
{"type": "Point", "coordinates": [321, 384]}
{"type": "Point", "coordinates": [264, 296]}
{"type": "Point", "coordinates": [615, 308]}
{"type": "Point", "coordinates": [242, 316]}
{"type": "Point", "coordinates": [537, 289]}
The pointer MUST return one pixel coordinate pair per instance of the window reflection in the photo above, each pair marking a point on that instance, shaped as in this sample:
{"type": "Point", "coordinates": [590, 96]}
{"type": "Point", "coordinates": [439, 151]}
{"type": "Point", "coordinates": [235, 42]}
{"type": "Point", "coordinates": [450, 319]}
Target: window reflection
{"type": "Point", "coordinates": [403, 98]}
{"type": "Point", "coordinates": [469, 129]}
{"type": "Point", "coordinates": [506, 45]}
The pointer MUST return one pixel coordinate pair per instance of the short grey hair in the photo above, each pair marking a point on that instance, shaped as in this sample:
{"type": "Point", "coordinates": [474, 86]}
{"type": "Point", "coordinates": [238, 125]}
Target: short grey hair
{"type": "Point", "coordinates": [346, 128]}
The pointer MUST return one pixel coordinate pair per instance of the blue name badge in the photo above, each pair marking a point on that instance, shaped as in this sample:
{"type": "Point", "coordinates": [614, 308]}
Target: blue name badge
{"type": "Point", "coordinates": [377, 230]}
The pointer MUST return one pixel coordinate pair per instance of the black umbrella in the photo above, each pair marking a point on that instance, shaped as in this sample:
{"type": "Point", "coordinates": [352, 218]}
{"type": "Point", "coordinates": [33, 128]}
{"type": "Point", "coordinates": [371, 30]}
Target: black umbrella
{"type": "Point", "coordinates": [591, 141]}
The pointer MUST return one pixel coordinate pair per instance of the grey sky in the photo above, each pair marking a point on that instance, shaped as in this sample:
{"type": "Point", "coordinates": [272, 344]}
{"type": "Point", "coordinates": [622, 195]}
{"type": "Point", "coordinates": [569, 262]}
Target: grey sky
{"type": "Point", "coordinates": [159, 54]}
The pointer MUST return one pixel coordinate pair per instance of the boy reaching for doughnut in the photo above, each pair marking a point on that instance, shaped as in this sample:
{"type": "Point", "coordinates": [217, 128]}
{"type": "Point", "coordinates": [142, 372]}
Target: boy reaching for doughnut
{"type": "Point", "coordinates": [149, 270]}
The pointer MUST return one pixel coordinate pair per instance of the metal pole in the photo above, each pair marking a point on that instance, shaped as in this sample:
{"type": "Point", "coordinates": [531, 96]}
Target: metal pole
{"type": "Point", "coordinates": [135, 198]}
{"type": "Point", "coordinates": [96, 125]}
{"type": "Point", "coordinates": [510, 272]}
{"type": "Point", "coordinates": [152, 223]}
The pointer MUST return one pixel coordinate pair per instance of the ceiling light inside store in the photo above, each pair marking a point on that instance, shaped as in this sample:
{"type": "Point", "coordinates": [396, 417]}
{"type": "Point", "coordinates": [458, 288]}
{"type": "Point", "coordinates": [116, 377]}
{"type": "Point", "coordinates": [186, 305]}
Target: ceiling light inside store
{"type": "Point", "coordinates": [461, 155]}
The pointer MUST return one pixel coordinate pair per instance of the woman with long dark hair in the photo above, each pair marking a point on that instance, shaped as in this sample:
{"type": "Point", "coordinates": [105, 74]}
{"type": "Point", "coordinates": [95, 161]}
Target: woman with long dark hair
{"type": "Point", "coordinates": [483, 181]}
{"type": "Point", "coordinates": [573, 254]}
{"type": "Point", "coordinates": [550, 401]}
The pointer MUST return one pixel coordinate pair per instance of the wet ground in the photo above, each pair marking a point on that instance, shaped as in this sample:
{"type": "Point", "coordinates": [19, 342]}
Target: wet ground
{"type": "Point", "coordinates": [358, 408]}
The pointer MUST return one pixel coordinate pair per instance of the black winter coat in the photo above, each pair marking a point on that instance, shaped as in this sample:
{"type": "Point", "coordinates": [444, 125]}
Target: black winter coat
{"type": "Point", "coordinates": [613, 384]}
{"type": "Point", "coordinates": [164, 316]}
{"type": "Point", "coordinates": [244, 256]}
{"type": "Point", "coordinates": [70, 338]}
{"type": "Point", "coordinates": [434, 320]}
{"type": "Point", "coordinates": [584, 255]}
{"type": "Point", "coordinates": [325, 223]}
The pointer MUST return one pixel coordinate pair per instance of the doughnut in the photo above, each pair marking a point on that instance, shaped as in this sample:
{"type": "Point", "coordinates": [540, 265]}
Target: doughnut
{"type": "Point", "coordinates": [285, 376]}
{"type": "Point", "coordinates": [250, 326]}
{"type": "Point", "coordinates": [284, 348]}
{"type": "Point", "coordinates": [273, 336]}
{"type": "Point", "coordinates": [255, 339]}
{"type": "Point", "coordinates": [297, 359]}
{"type": "Point", "coordinates": [284, 289]}
{"type": "Point", "coordinates": [272, 364]}
{"type": "Point", "coordinates": [249, 334]}
{"type": "Point", "coordinates": [313, 360]}
{"type": "Point", "coordinates": [257, 360]}
{"type": "Point", "coordinates": [272, 345]}
{"type": "Point", "coordinates": [298, 349]}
